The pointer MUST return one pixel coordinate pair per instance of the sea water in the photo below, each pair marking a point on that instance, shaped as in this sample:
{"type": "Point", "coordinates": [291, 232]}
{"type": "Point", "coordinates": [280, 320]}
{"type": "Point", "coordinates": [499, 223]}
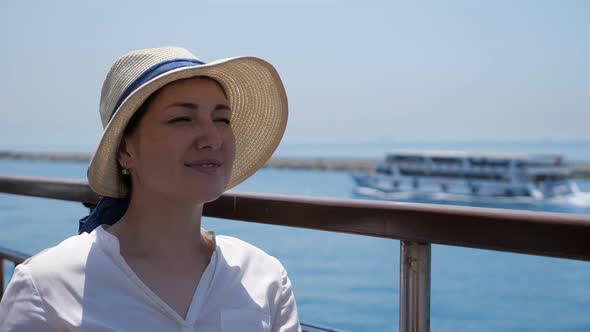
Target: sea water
{"type": "Point", "coordinates": [351, 282]}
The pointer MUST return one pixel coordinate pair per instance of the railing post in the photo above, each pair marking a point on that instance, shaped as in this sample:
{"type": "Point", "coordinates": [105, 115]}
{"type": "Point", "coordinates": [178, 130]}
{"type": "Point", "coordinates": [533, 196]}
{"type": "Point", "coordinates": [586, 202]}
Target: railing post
{"type": "Point", "coordinates": [1, 277]}
{"type": "Point", "coordinates": [414, 298]}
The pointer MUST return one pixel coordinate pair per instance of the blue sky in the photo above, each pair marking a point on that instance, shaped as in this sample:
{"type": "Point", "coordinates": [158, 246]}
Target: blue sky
{"type": "Point", "coordinates": [354, 71]}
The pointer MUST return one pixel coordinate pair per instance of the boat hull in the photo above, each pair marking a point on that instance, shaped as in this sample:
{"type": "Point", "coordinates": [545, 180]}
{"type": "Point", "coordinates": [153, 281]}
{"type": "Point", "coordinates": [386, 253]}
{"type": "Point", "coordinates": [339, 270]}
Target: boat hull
{"type": "Point", "coordinates": [383, 185]}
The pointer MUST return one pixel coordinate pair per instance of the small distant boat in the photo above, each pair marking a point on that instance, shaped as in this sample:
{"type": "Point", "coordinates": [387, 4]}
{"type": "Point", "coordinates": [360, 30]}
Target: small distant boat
{"type": "Point", "coordinates": [465, 174]}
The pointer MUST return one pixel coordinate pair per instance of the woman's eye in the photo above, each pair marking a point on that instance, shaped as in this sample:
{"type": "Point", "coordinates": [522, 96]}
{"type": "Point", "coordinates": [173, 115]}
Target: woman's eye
{"type": "Point", "coordinates": [180, 119]}
{"type": "Point", "coordinates": [223, 120]}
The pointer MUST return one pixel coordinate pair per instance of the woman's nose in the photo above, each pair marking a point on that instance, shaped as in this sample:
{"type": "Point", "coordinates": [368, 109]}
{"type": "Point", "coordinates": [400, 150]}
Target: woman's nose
{"type": "Point", "coordinates": [208, 136]}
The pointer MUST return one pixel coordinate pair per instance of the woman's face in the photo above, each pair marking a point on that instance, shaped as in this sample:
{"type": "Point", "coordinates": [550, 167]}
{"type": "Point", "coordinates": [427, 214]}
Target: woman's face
{"type": "Point", "coordinates": [184, 146]}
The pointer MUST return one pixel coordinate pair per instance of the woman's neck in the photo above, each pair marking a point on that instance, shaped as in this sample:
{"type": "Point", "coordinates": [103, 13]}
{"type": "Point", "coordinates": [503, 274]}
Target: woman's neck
{"type": "Point", "coordinates": [157, 228]}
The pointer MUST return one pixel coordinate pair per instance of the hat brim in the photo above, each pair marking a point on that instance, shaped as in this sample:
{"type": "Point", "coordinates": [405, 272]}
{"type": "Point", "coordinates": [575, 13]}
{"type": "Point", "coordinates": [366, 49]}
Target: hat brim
{"type": "Point", "coordinates": [259, 117]}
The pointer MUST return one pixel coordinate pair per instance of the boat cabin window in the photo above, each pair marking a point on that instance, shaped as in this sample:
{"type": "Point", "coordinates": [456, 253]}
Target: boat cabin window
{"type": "Point", "coordinates": [405, 159]}
{"type": "Point", "coordinates": [489, 162]}
{"type": "Point", "coordinates": [383, 169]}
{"type": "Point", "coordinates": [447, 160]}
{"type": "Point", "coordinates": [530, 163]}
{"type": "Point", "coordinates": [457, 175]}
{"type": "Point", "coordinates": [548, 177]}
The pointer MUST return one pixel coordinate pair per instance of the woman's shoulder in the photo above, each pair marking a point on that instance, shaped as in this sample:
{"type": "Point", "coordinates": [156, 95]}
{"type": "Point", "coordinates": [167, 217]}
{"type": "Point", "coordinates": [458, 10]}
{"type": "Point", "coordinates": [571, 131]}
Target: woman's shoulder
{"type": "Point", "coordinates": [241, 252]}
{"type": "Point", "coordinates": [68, 254]}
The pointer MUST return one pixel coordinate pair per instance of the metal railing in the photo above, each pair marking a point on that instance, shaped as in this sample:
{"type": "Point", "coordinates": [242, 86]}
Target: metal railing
{"type": "Point", "coordinates": [416, 225]}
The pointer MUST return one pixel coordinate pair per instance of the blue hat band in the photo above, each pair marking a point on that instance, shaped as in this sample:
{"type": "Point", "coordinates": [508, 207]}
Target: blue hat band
{"type": "Point", "coordinates": [152, 72]}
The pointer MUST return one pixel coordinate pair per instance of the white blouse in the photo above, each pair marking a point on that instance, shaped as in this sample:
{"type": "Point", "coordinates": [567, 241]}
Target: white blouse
{"type": "Point", "coordinates": [84, 284]}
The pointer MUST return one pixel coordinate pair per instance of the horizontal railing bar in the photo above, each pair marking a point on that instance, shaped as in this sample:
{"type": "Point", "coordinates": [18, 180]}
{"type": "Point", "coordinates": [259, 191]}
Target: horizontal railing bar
{"type": "Point", "coordinates": [14, 256]}
{"type": "Point", "coordinates": [62, 189]}
{"type": "Point", "coordinates": [538, 233]}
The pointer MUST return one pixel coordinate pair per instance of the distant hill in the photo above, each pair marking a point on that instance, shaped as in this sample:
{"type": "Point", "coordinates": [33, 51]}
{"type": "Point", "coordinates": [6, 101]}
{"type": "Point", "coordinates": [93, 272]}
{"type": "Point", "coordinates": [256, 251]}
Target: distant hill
{"type": "Point", "coordinates": [70, 157]}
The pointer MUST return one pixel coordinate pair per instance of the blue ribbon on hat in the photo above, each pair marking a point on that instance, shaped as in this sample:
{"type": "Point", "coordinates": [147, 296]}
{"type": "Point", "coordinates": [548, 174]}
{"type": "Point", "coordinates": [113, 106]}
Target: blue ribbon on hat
{"type": "Point", "coordinates": [151, 73]}
{"type": "Point", "coordinates": [110, 209]}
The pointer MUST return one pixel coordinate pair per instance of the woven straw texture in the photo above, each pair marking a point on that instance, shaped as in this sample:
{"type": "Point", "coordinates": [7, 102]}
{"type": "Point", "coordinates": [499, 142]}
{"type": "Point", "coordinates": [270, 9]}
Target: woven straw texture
{"type": "Point", "coordinates": [253, 88]}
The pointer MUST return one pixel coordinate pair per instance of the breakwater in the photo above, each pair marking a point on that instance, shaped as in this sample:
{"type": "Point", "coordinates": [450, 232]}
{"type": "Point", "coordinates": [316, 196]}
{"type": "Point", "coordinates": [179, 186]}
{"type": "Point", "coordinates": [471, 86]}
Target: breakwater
{"type": "Point", "coordinates": [579, 170]}
{"type": "Point", "coordinates": [32, 156]}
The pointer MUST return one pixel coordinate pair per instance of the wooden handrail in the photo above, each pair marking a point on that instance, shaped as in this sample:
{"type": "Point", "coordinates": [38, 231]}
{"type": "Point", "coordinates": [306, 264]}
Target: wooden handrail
{"type": "Point", "coordinates": [10, 255]}
{"type": "Point", "coordinates": [14, 256]}
{"type": "Point", "coordinates": [62, 189]}
{"type": "Point", "coordinates": [539, 233]}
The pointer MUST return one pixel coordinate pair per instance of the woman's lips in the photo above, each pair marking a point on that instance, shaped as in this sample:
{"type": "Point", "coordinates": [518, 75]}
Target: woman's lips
{"type": "Point", "coordinates": [205, 165]}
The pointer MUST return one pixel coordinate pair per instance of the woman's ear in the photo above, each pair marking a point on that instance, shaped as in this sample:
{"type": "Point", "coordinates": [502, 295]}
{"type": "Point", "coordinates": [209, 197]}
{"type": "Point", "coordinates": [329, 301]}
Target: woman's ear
{"type": "Point", "coordinates": [123, 155]}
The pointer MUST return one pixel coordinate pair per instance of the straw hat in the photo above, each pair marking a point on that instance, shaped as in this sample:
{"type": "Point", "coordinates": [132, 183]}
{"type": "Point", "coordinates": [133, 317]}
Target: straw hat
{"type": "Point", "coordinates": [253, 88]}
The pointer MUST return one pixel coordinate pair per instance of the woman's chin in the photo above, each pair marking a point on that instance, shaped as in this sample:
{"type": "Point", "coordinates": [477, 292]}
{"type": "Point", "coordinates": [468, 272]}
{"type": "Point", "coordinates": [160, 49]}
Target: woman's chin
{"type": "Point", "coordinates": [195, 193]}
{"type": "Point", "coordinates": [204, 196]}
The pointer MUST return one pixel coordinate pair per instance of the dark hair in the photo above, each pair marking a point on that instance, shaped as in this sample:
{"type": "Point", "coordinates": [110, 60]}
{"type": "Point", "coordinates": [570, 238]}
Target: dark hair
{"type": "Point", "coordinates": [138, 115]}
{"type": "Point", "coordinates": [131, 128]}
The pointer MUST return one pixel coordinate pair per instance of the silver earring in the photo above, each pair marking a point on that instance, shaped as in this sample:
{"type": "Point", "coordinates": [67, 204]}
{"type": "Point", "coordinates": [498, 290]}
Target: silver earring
{"type": "Point", "coordinates": [125, 171]}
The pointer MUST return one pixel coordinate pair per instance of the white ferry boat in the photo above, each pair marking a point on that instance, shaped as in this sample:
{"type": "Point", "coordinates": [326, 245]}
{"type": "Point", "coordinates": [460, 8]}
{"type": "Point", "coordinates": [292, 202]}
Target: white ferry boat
{"type": "Point", "coordinates": [410, 173]}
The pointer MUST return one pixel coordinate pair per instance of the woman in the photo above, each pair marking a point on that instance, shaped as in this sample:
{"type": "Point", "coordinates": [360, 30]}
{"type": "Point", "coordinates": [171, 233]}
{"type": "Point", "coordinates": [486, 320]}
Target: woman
{"type": "Point", "coordinates": [178, 132]}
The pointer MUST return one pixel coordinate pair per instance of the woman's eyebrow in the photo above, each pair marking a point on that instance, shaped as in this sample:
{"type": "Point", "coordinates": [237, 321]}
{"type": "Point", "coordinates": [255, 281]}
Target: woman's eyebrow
{"type": "Point", "coordinates": [221, 107]}
{"type": "Point", "coordinates": [183, 104]}
{"type": "Point", "coordinates": [194, 106]}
